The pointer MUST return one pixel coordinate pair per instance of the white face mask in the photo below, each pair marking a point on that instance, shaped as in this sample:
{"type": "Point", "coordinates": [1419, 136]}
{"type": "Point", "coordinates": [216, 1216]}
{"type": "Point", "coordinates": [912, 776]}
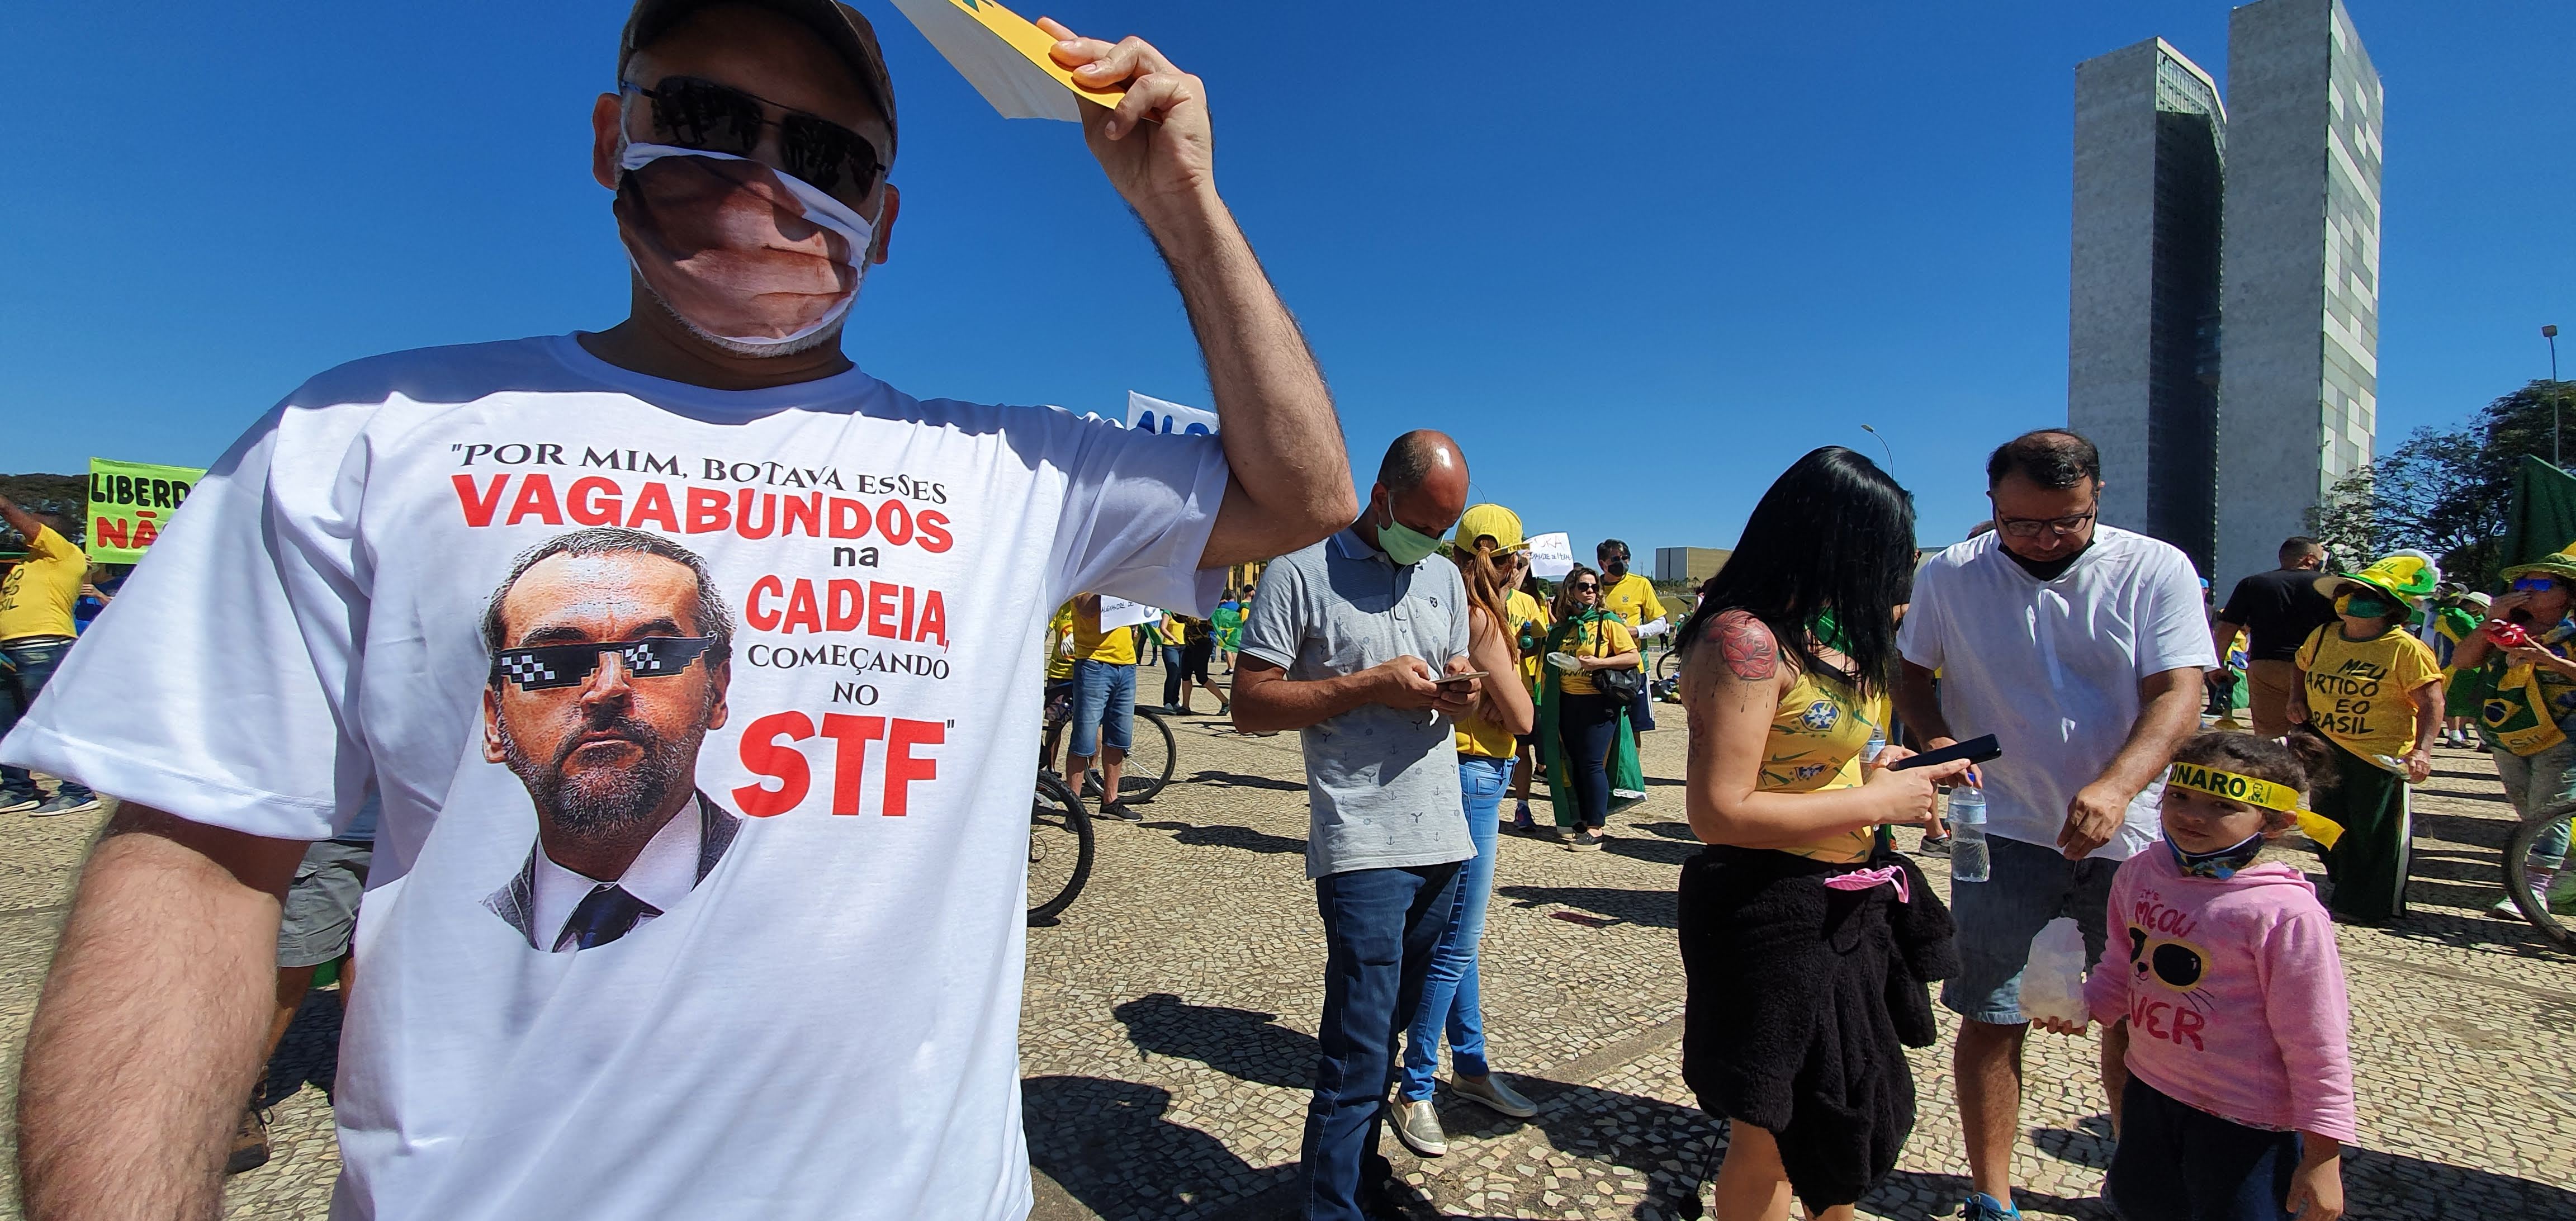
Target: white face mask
{"type": "Point", "coordinates": [717, 239]}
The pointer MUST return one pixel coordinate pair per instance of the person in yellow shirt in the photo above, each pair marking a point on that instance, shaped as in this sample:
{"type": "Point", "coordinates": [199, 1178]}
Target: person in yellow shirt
{"type": "Point", "coordinates": [1632, 597]}
{"type": "Point", "coordinates": [1104, 704]}
{"type": "Point", "coordinates": [2375, 691]}
{"type": "Point", "coordinates": [36, 630]}
{"type": "Point", "coordinates": [1530, 622]}
{"type": "Point", "coordinates": [1579, 725]}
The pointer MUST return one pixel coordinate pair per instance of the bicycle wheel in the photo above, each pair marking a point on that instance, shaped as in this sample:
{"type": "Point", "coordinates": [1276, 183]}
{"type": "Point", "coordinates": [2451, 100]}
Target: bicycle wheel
{"type": "Point", "coordinates": [1059, 849]}
{"type": "Point", "coordinates": [1151, 754]}
{"type": "Point", "coordinates": [2517, 877]}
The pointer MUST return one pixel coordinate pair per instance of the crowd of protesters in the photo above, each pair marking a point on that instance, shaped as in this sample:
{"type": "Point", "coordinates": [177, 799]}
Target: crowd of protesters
{"type": "Point", "coordinates": [542, 1022]}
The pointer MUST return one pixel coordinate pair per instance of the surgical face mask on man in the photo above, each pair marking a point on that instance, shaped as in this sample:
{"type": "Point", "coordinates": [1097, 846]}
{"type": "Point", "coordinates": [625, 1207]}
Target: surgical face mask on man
{"type": "Point", "coordinates": [749, 258]}
{"type": "Point", "coordinates": [1402, 543]}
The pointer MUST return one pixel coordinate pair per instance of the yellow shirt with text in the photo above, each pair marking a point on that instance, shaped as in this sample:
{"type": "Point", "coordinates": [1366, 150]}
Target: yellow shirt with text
{"type": "Point", "coordinates": [2360, 692]}
{"type": "Point", "coordinates": [1599, 638]}
{"type": "Point", "coordinates": [36, 597]}
{"type": "Point", "coordinates": [1091, 644]}
{"type": "Point", "coordinates": [1633, 599]}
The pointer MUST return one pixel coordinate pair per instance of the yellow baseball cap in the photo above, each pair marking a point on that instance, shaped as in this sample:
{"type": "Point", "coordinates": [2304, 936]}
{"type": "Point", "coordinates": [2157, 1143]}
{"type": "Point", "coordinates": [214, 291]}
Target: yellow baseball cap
{"type": "Point", "coordinates": [1489, 520]}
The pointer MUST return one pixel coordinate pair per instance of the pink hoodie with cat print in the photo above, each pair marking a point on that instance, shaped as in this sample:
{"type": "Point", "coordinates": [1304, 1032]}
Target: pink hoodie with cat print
{"type": "Point", "coordinates": [2233, 992]}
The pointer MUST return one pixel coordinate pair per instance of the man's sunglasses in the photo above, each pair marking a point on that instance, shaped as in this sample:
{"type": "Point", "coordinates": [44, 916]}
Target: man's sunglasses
{"type": "Point", "coordinates": [2534, 585]}
{"type": "Point", "coordinates": [570, 665]}
{"type": "Point", "coordinates": [693, 113]}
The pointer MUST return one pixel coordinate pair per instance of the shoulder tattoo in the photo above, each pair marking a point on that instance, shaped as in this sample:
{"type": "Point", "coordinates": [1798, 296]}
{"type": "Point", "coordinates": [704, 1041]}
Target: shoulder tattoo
{"type": "Point", "coordinates": [1745, 646]}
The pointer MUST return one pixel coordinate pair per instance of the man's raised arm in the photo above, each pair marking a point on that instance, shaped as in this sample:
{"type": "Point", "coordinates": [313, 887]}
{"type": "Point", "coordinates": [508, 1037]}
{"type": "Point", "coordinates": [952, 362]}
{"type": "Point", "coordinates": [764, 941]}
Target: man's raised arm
{"type": "Point", "coordinates": [146, 1041]}
{"type": "Point", "coordinates": [1291, 477]}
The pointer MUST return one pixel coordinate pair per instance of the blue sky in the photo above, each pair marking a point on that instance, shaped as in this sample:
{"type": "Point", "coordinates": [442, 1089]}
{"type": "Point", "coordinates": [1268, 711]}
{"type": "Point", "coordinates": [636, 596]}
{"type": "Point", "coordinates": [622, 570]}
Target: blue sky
{"type": "Point", "coordinates": [1636, 258]}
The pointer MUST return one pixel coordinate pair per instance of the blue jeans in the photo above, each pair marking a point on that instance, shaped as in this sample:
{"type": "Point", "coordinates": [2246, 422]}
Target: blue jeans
{"type": "Point", "coordinates": [1449, 988]}
{"type": "Point", "coordinates": [1380, 929]}
{"type": "Point", "coordinates": [34, 661]}
{"type": "Point", "coordinates": [1172, 668]}
{"type": "Point", "coordinates": [2031, 885]}
{"type": "Point", "coordinates": [2534, 783]}
{"type": "Point", "coordinates": [1104, 707]}
{"type": "Point", "coordinates": [1587, 726]}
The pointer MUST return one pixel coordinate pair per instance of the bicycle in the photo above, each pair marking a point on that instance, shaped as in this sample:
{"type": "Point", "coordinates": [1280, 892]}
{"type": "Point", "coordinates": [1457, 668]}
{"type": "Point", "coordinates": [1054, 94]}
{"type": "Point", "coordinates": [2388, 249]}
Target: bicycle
{"type": "Point", "coordinates": [1152, 752]}
{"type": "Point", "coordinates": [1059, 849]}
{"type": "Point", "coordinates": [2517, 877]}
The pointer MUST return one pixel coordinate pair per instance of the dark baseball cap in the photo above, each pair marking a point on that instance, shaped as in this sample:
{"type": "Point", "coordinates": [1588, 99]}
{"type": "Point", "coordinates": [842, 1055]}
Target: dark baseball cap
{"type": "Point", "coordinates": [839, 26]}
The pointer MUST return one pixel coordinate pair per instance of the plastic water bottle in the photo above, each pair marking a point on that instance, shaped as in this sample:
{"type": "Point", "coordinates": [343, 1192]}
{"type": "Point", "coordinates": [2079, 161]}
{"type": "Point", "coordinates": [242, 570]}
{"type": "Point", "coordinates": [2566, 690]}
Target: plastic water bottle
{"type": "Point", "coordinates": [2052, 982]}
{"type": "Point", "coordinates": [1877, 743]}
{"type": "Point", "coordinates": [1969, 861]}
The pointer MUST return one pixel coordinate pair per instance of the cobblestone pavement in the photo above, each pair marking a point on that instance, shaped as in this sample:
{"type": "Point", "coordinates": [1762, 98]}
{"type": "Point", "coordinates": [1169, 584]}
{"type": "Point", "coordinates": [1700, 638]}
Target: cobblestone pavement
{"type": "Point", "coordinates": [1168, 1038]}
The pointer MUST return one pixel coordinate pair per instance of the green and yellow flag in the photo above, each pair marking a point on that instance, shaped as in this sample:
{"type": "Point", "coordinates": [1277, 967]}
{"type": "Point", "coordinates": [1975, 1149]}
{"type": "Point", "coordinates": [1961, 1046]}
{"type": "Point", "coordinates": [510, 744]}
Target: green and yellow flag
{"type": "Point", "coordinates": [130, 504]}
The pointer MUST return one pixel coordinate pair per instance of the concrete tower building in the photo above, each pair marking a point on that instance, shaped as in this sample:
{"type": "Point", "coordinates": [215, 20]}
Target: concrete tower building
{"type": "Point", "coordinates": [2299, 403]}
{"type": "Point", "coordinates": [2142, 376]}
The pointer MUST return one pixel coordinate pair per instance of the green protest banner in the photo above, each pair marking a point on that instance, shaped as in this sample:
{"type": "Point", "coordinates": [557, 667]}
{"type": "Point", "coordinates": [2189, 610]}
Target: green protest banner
{"type": "Point", "coordinates": [130, 504]}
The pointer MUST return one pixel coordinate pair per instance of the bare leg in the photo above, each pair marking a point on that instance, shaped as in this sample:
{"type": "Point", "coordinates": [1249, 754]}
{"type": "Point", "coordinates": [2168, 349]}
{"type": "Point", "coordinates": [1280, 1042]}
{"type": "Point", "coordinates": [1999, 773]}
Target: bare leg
{"type": "Point", "coordinates": [2115, 1069]}
{"type": "Point", "coordinates": [1988, 1067]}
{"type": "Point", "coordinates": [292, 984]}
{"type": "Point", "coordinates": [1751, 1184]}
{"type": "Point", "coordinates": [1527, 762]}
{"type": "Point", "coordinates": [1212, 689]}
{"type": "Point", "coordinates": [1075, 768]}
{"type": "Point", "coordinates": [1113, 762]}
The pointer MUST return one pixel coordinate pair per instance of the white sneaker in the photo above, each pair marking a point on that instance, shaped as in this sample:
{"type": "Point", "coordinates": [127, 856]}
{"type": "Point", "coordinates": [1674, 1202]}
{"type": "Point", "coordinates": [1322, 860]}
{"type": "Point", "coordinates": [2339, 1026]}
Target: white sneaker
{"type": "Point", "coordinates": [1494, 1094]}
{"type": "Point", "coordinates": [1417, 1124]}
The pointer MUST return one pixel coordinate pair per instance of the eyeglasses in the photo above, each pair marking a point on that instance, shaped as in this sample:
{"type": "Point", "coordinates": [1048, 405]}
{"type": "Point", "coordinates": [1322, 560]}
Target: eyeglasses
{"type": "Point", "coordinates": [2534, 585]}
{"type": "Point", "coordinates": [2031, 527]}
{"type": "Point", "coordinates": [570, 665]}
{"type": "Point", "coordinates": [1586, 587]}
{"type": "Point", "coordinates": [694, 113]}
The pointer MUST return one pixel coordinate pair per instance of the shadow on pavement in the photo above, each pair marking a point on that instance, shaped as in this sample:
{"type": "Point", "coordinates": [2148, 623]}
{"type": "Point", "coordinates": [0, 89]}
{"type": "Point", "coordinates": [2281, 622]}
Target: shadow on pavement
{"type": "Point", "coordinates": [1654, 908]}
{"type": "Point", "coordinates": [1652, 850]}
{"type": "Point", "coordinates": [1241, 1043]}
{"type": "Point", "coordinates": [1107, 1144]}
{"type": "Point", "coordinates": [1244, 838]}
{"type": "Point", "coordinates": [1669, 830]}
{"type": "Point", "coordinates": [310, 1052]}
{"type": "Point", "coordinates": [1238, 780]}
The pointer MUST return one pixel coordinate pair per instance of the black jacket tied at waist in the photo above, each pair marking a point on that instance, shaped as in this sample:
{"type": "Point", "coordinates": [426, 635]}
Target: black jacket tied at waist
{"type": "Point", "coordinates": [1802, 1000]}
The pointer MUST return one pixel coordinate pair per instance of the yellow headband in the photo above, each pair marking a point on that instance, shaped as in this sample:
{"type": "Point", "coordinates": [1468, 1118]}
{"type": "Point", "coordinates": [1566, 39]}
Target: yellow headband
{"type": "Point", "coordinates": [2233, 787]}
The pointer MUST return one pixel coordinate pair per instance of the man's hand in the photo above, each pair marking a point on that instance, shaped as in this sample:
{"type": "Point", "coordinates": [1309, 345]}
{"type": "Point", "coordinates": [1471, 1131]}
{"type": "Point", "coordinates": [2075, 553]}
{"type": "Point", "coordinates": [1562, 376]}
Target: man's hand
{"type": "Point", "coordinates": [1459, 698]}
{"type": "Point", "coordinates": [1405, 683]}
{"type": "Point", "coordinates": [2298, 710]}
{"type": "Point", "coordinates": [2419, 765]}
{"type": "Point", "coordinates": [2060, 1025]}
{"type": "Point", "coordinates": [2092, 819]}
{"type": "Point", "coordinates": [1157, 145]}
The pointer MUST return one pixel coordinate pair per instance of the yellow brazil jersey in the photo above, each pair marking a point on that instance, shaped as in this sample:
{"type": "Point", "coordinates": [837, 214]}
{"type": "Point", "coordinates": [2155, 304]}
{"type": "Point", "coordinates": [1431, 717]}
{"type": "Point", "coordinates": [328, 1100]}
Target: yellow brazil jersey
{"type": "Point", "coordinates": [1530, 613]}
{"type": "Point", "coordinates": [1059, 658]}
{"type": "Point", "coordinates": [2360, 692]}
{"type": "Point", "coordinates": [1173, 631]}
{"type": "Point", "coordinates": [1633, 599]}
{"type": "Point", "coordinates": [1091, 644]}
{"type": "Point", "coordinates": [36, 597]}
{"type": "Point", "coordinates": [1599, 638]}
{"type": "Point", "coordinates": [1815, 744]}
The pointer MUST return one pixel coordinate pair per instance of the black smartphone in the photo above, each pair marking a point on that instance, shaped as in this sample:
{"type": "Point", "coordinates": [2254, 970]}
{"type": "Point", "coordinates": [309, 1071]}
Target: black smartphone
{"type": "Point", "coordinates": [1974, 750]}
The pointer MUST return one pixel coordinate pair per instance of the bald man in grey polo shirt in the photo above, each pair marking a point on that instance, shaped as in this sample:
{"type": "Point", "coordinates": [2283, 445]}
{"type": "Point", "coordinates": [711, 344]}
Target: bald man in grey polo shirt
{"type": "Point", "coordinates": [1345, 645]}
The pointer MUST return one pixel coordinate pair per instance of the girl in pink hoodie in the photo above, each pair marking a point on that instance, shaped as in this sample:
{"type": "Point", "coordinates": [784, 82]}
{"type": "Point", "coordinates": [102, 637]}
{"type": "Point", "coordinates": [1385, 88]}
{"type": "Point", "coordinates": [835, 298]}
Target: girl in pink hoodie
{"type": "Point", "coordinates": [2224, 966]}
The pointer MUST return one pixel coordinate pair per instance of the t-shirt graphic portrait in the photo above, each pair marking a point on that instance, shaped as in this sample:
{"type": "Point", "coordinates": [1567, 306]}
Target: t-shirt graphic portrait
{"type": "Point", "coordinates": [703, 725]}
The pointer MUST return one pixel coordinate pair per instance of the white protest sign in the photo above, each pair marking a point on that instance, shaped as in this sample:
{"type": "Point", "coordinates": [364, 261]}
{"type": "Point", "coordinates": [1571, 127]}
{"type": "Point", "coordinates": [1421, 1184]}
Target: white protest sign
{"type": "Point", "coordinates": [1551, 555]}
{"type": "Point", "coordinates": [1154, 415]}
{"type": "Point", "coordinates": [1116, 613]}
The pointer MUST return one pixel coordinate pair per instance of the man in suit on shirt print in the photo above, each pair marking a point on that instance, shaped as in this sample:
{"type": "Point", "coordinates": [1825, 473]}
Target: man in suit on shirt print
{"type": "Point", "coordinates": [610, 656]}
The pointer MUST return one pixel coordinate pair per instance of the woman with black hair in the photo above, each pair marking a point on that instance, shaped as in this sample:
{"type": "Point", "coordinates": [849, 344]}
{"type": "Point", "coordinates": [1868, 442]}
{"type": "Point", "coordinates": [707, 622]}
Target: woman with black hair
{"type": "Point", "coordinates": [1807, 944]}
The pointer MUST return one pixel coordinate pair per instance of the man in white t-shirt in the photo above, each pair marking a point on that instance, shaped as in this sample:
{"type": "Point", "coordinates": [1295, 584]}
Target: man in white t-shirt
{"type": "Point", "coordinates": [2080, 647]}
{"type": "Point", "coordinates": [700, 883]}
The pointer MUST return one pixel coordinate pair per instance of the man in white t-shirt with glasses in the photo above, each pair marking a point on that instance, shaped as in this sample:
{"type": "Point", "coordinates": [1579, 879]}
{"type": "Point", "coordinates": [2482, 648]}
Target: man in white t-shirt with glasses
{"type": "Point", "coordinates": [819, 1020]}
{"type": "Point", "coordinates": [2079, 646]}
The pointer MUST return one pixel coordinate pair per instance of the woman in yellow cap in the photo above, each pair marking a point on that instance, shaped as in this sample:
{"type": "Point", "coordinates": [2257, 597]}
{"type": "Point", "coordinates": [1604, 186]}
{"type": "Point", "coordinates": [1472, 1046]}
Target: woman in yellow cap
{"type": "Point", "coordinates": [2374, 691]}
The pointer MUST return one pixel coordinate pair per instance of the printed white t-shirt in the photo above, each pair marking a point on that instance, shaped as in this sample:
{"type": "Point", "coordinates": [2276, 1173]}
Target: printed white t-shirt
{"type": "Point", "coordinates": [803, 999]}
{"type": "Point", "coordinates": [2051, 668]}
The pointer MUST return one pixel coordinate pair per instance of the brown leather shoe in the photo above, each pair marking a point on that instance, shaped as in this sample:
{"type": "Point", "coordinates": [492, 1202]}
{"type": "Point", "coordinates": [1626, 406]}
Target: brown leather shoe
{"type": "Point", "coordinates": [250, 1142]}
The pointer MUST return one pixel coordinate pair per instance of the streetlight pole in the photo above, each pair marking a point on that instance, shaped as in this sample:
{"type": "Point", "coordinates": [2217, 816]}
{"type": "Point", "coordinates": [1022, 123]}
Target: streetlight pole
{"type": "Point", "coordinates": [1891, 450]}
{"type": "Point", "coordinates": [2557, 392]}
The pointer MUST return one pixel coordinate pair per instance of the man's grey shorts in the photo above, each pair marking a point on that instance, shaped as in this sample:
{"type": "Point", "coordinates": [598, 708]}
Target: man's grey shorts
{"type": "Point", "coordinates": [2030, 886]}
{"type": "Point", "coordinates": [322, 903]}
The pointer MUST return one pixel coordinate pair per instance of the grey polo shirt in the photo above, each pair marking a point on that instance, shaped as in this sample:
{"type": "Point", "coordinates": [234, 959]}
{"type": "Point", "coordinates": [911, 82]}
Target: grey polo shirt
{"type": "Point", "coordinates": [1381, 784]}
